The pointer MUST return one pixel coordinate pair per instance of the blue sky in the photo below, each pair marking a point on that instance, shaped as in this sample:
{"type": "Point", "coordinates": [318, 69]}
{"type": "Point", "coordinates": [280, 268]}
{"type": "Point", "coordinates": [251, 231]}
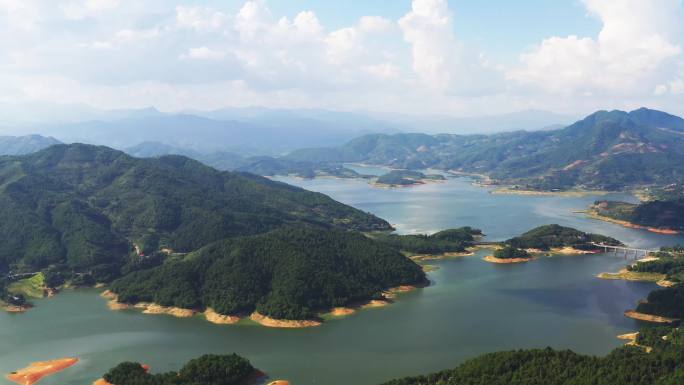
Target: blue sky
{"type": "Point", "coordinates": [457, 57]}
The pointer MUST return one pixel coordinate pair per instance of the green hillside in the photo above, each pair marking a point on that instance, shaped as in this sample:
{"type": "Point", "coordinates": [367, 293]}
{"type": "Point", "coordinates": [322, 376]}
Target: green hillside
{"type": "Point", "coordinates": [606, 150]}
{"type": "Point", "coordinates": [290, 273]}
{"type": "Point", "coordinates": [83, 206]}
{"type": "Point", "coordinates": [552, 236]}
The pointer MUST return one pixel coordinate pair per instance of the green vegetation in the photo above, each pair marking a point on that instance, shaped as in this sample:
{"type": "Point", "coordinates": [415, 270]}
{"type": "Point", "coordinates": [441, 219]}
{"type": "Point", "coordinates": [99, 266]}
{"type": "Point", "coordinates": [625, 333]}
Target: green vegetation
{"type": "Point", "coordinates": [206, 370]}
{"type": "Point", "coordinates": [406, 178]}
{"type": "Point", "coordinates": [665, 214]}
{"type": "Point", "coordinates": [552, 236]}
{"type": "Point", "coordinates": [625, 366]}
{"type": "Point", "coordinates": [508, 252]}
{"type": "Point", "coordinates": [672, 265]}
{"type": "Point", "coordinates": [84, 207]}
{"type": "Point", "coordinates": [289, 273]}
{"type": "Point", "coordinates": [667, 302]}
{"type": "Point", "coordinates": [608, 150]}
{"type": "Point", "coordinates": [29, 287]}
{"type": "Point", "coordinates": [447, 241]}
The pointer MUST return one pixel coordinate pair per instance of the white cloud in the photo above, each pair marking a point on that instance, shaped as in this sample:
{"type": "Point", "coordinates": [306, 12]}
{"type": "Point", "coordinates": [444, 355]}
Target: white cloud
{"type": "Point", "coordinates": [200, 18]}
{"type": "Point", "coordinates": [196, 56]}
{"type": "Point", "coordinates": [203, 53]}
{"type": "Point", "coordinates": [639, 43]}
{"type": "Point", "coordinates": [77, 10]}
{"type": "Point", "coordinates": [429, 30]}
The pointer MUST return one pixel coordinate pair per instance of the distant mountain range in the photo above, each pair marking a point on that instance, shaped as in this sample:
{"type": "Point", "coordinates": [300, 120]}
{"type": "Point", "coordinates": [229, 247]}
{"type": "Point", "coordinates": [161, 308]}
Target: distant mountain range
{"type": "Point", "coordinates": [247, 131]}
{"type": "Point", "coordinates": [606, 150]}
{"type": "Point", "coordinates": [20, 145]}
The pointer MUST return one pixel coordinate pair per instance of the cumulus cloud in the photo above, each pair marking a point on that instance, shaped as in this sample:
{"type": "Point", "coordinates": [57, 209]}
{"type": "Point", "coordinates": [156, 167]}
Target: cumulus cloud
{"type": "Point", "coordinates": [199, 54]}
{"type": "Point", "coordinates": [636, 49]}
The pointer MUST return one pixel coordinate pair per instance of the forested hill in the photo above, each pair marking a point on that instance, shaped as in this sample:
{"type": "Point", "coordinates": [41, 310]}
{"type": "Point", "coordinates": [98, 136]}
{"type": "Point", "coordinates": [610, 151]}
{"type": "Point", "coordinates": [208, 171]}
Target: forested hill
{"type": "Point", "coordinates": [606, 150]}
{"type": "Point", "coordinates": [83, 206]}
{"type": "Point", "coordinates": [289, 273]}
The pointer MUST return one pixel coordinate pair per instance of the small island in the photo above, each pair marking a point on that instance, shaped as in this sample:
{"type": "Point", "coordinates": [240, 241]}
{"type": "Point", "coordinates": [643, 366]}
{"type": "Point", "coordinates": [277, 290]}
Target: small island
{"type": "Point", "coordinates": [509, 254]}
{"type": "Point", "coordinates": [549, 240]}
{"type": "Point", "coordinates": [405, 178]}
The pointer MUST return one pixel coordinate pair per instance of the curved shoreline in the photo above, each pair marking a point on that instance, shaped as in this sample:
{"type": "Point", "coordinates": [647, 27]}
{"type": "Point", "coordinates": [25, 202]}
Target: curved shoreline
{"type": "Point", "coordinates": [592, 214]}
{"type": "Point", "coordinates": [633, 314]}
{"type": "Point", "coordinates": [493, 259]}
{"type": "Point", "coordinates": [214, 317]}
{"type": "Point", "coordinates": [636, 276]}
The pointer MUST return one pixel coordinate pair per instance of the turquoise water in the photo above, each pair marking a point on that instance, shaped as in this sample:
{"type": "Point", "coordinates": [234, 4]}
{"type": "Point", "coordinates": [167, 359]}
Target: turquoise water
{"type": "Point", "coordinates": [472, 307]}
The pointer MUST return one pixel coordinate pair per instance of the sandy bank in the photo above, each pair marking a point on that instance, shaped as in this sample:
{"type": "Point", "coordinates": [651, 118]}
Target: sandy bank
{"type": "Point", "coordinates": [287, 324]}
{"type": "Point", "coordinates": [16, 309]}
{"type": "Point", "coordinates": [437, 257]}
{"type": "Point", "coordinates": [37, 370]}
{"type": "Point", "coordinates": [493, 259]}
{"type": "Point", "coordinates": [631, 339]}
{"type": "Point", "coordinates": [627, 275]}
{"type": "Point", "coordinates": [153, 308]}
{"type": "Point", "coordinates": [341, 311]}
{"type": "Point", "coordinates": [649, 317]}
{"type": "Point", "coordinates": [220, 319]}
{"type": "Point", "coordinates": [572, 251]}
{"type": "Point", "coordinates": [146, 307]}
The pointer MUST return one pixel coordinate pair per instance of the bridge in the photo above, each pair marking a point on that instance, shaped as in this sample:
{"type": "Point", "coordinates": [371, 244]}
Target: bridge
{"type": "Point", "coordinates": [627, 250]}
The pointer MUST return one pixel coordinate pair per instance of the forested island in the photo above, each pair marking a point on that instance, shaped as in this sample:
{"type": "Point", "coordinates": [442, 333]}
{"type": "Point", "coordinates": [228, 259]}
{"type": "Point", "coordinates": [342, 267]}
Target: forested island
{"type": "Point", "coordinates": [211, 369]}
{"type": "Point", "coordinates": [292, 273]}
{"type": "Point", "coordinates": [548, 239]}
{"type": "Point", "coordinates": [402, 178]}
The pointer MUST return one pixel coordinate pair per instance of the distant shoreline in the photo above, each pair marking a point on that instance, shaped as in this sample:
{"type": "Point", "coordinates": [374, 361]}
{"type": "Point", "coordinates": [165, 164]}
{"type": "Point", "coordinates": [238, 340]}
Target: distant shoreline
{"type": "Point", "coordinates": [594, 215]}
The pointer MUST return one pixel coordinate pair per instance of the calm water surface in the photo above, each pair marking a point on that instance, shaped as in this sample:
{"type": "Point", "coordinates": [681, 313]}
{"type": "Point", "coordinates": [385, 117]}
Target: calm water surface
{"type": "Point", "coordinates": [472, 307]}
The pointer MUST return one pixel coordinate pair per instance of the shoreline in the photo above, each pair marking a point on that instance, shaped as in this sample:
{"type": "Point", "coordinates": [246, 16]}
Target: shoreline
{"type": "Point", "coordinates": [36, 371]}
{"type": "Point", "coordinates": [210, 315]}
{"type": "Point", "coordinates": [633, 314]}
{"type": "Point", "coordinates": [507, 190]}
{"type": "Point", "coordinates": [505, 261]}
{"type": "Point", "coordinates": [631, 339]}
{"type": "Point", "coordinates": [592, 214]}
{"type": "Point", "coordinates": [635, 276]}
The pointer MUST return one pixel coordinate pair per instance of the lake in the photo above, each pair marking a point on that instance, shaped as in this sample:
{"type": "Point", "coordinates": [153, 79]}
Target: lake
{"type": "Point", "coordinates": [472, 307]}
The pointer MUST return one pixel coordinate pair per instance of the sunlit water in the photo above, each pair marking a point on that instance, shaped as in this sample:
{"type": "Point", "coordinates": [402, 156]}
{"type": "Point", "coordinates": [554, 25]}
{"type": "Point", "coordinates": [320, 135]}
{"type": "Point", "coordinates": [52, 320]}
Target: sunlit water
{"type": "Point", "coordinates": [472, 307]}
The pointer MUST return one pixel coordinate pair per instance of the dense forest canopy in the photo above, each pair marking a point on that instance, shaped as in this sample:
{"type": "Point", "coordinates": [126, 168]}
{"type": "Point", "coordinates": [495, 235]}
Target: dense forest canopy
{"type": "Point", "coordinates": [445, 241]}
{"type": "Point", "coordinates": [509, 252]}
{"type": "Point", "coordinates": [624, 366]}
{"type": "Point", "coordinates": [289, 273]}
{"type": "Point", "coordinates": [84, 206]}
{"type": "Point", "coordinates": [206, 370]}
{"type": "Point", "coordinates": [551, 236]}
{"type": "Point", "coordinates": [667, 214]}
